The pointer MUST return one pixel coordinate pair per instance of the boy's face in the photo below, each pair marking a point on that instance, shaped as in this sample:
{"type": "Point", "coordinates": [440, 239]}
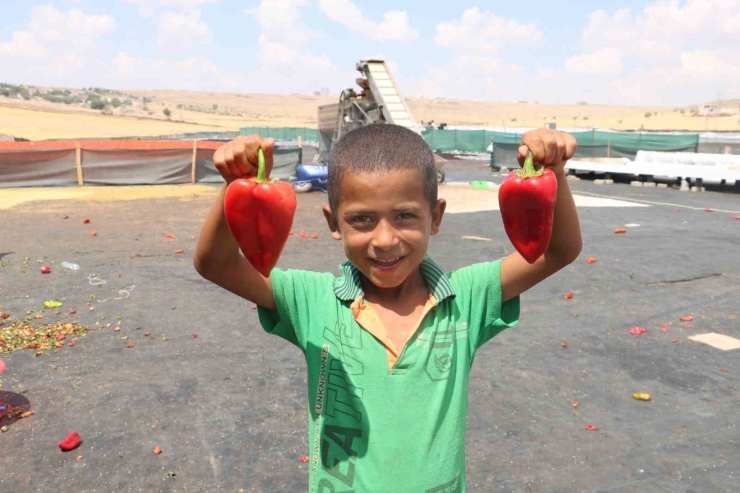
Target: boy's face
{"type": "Point", "coordinates": [385, 222]}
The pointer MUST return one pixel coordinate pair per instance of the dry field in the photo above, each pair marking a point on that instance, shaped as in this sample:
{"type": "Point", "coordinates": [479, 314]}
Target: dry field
{"type": "Point", "coordinates": [194, 111]}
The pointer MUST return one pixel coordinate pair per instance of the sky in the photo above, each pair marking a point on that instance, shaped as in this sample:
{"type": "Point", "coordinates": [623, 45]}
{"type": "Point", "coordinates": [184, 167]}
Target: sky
{"type": "Point", "coordinates": [628, 52]}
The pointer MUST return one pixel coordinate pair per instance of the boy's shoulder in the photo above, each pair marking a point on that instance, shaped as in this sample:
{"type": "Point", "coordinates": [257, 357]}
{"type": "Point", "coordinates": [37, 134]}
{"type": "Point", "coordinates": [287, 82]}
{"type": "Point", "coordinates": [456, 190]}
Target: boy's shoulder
{"type": "Point", "coordinates": [312, 283]}
{"type": "Point", "coordinates": [478, 283]}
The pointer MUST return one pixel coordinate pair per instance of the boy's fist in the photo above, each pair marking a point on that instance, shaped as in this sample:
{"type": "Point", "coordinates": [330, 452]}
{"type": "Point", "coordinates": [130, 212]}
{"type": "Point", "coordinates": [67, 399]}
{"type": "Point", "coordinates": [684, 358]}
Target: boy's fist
{"type": "Point", "coordinates": [238, 158]}
{"type": "Point", "coordinates": [549, 147]}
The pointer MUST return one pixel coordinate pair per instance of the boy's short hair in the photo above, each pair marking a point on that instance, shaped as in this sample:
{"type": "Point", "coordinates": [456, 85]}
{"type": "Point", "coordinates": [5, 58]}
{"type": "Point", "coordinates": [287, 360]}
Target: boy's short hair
{"type": "Point", "coordinates": [381, 147]}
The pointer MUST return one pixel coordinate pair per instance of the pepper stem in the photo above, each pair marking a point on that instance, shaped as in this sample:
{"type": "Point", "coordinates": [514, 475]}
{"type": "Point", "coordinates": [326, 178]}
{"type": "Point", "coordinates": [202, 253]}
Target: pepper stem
{"type": "Point", "coordinates": [260, 166]}
{"type": "Point", "coordinates": [528, 170]}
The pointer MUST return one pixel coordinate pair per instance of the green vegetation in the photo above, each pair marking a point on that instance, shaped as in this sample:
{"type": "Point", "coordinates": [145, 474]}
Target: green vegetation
{"type": "Point", "coordinates": [12, 90]}
{"type": "Point", "coordinates": [167, 112]}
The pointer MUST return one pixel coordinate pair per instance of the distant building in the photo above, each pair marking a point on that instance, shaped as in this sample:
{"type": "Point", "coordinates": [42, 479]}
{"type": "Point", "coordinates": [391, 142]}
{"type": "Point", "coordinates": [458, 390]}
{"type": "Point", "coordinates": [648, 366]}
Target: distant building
{"type": "Point", "coordinates": [715, 109]}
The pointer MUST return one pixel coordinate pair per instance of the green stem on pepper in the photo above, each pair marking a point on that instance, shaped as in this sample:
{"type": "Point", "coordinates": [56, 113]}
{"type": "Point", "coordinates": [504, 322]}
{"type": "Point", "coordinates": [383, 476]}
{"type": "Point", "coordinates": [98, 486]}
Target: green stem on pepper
{"type": "Point", "coordinates": [261, 167]}
{"type": "Point", "coordinates": [528, 170]}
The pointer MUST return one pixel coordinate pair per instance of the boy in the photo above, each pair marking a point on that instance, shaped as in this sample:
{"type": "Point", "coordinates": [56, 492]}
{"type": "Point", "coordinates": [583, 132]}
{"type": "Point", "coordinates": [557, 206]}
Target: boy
{"type": "Point", "coordinates": [389, 345]}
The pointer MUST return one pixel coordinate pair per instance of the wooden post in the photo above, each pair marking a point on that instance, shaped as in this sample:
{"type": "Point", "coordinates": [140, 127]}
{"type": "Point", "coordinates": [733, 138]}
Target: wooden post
{"type": "Point", "coordinates": [195, 158]}
{"type": "Point", "coordinates": [78, 162]}
{"type": "Point", "coordinates": [300, 150]}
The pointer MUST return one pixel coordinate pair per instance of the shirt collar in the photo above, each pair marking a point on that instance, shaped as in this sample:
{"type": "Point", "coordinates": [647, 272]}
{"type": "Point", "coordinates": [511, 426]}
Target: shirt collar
{"type": "Point", "coordinates": [348, 287]}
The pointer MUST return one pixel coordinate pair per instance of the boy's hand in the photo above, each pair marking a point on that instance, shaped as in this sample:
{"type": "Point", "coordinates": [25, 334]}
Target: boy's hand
{"type": "Point", "coordinates": [549, 147]}
{"type": "Point", "coordinates": [238, 158]}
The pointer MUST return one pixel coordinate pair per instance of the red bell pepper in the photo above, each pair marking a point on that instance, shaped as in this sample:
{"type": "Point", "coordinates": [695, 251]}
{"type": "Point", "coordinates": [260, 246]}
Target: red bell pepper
{"type": "Point", "coordinates": [72, 441]}
{"type": "Point", "coordinates": [527, 202]}
{"type": "Point", "coordinates": [260, 213]}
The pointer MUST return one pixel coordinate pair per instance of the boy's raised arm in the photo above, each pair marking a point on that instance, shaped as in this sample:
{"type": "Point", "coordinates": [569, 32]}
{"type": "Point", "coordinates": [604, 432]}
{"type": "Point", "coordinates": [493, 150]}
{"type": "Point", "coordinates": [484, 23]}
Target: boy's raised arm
{"type": "Point", "coordinates": [217, 257]}
{"type": "Point", "coordinates": [552, 149]}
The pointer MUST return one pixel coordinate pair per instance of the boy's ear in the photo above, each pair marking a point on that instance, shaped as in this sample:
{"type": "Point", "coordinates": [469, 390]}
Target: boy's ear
{"type": "Point", "coordinates": [332, 222]}
{"type": "Point", "coordinates": [437, 213]}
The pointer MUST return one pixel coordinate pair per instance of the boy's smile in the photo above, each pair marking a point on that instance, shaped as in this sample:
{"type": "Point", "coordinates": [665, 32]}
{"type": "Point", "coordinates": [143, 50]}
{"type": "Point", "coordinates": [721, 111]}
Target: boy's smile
{"type": "Point", "coordinates": [385, 222]}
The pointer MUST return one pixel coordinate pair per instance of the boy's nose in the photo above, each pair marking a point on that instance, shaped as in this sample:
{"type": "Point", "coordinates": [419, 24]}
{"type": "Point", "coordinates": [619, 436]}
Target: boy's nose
{"type": "Point", "coordinates": [384, 237]}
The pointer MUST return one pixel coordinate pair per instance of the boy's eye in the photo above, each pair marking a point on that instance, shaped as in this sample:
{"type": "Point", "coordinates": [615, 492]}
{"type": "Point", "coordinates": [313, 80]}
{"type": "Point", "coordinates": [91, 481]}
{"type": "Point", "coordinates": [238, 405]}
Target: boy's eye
{"type": "Point", "coordinates": [361, 219]}
{"type": "Point", "coordinates": [406, 215]}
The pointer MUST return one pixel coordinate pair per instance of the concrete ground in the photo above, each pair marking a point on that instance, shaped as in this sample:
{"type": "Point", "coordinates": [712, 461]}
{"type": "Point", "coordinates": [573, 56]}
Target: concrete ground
{"type": "Point", "coordinates": [228, 408]}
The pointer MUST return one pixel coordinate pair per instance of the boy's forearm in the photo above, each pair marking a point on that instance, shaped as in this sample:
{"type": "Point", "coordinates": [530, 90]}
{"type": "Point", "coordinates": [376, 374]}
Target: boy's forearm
{"type": "Point", "coordinates": [216, 245]}
{"type": "Point", "coordinates": [565, 243]}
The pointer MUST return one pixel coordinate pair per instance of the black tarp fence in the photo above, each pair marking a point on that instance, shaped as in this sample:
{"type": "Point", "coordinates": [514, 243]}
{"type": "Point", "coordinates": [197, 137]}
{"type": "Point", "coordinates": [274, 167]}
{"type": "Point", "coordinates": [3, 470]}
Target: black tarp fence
{"type": "Point", "coordinates": [34, 168]}
{"type": "Point", "coordinates": [31, 168]}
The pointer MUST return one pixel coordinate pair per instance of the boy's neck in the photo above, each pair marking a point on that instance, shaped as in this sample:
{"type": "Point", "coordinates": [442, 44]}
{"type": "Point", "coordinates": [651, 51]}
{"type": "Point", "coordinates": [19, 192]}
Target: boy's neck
{"type": "Point", "coordinates": [410, 287]}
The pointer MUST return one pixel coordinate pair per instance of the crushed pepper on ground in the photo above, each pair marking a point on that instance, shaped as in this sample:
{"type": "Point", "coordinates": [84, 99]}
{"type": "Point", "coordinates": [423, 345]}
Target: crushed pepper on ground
{"type": "Point", "coordinates": [23, 335]}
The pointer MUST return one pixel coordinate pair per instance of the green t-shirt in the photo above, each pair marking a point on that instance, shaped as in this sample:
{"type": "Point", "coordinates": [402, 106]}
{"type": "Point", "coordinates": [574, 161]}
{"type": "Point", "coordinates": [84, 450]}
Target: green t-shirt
{"type": "Point", "coordinates": [373, 430]}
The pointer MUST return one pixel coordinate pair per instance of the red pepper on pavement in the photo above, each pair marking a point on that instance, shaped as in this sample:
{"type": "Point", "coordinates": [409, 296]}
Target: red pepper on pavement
{"type": "Point", "coordinates": [260, 212]}
{"type": "Point", "coordinates": [527, 202]}
{"type": "Point", "coordinates": [72, 441]}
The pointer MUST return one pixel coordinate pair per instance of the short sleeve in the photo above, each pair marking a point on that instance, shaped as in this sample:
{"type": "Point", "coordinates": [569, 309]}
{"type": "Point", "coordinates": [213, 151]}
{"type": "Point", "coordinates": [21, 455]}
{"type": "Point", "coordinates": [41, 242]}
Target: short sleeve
{"type": "Point", "coordinates": [300, 296]}
{"type": "Point", "coordinates": [478, 299]}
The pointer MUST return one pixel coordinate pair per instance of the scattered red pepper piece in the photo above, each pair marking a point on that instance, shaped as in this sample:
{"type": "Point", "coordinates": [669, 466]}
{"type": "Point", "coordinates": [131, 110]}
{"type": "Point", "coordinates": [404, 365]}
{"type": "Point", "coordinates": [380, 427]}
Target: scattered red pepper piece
{"type": "Point", "coordinates": [303, 235]}
{"type": "Point", "coordinates": [179, 250]}
{"type": "Point", "coordinates": [93, 233]}
{"type": "Point", "coordinates": [575, 404]}
{"type": "Point", "coordinates": [2, 366]}
{"type": "Point", "coordinates": [619, 231]}
{"type": "Point", "coordinates": [736, 218]}
{"type": "Point", "coordinates": [169, 236]}
{"type": "Point", "coordinates": [708, 210]}
{"type": "Point", "coordinates": [72, 441]}
{"type": "Point", "coordinates": [129, 345]}
{"type": "Point", "coordinates": [723, 370]}
{"type": "Point", "coordinates": [85, 221]}
{"type": "Point", "coordinates": [65, 217]}
{"type": "Point", "coordinates": [527, 202]}
{"type": "Point", "coordinates": [291, 231]}
{"type": "Point", "coordinates": [79, 457]}
{"type": "Point", "coordinates": [687, 318]}
{"type": "Point", "coordinates": [27, 414]}
{"type": "Point", "coordinates": [590, 260]}
{"type": "Point", "coordinates": [260, 212]}
{"type": "Point", "coordinates": [193, 336]}
{"type": "Point", "coordinates": [157, 450]}
{"type": "Point", "coordinates": [591, 427]}
{"type": "Point", "coordinates": [60, 337]}
{"type": "Point", "coordinates": [314, 236]}
{"type": "Point", "coordinates": [146, 334]}
{"type": "Point", "coordinates": [637, 331]}
{"type": "Point", "coordinates": [564, 344]}
{"type": "Point", "coordinates": [72, 311]}
{"type": "Point", "coordinates": [568, 296]}
{"type": "Point", "coordinates": [71, 344]}
{"type": "Point", "coordinates": [4, 316]}
{"type": "Point", "coordinates": [45, 269]}
{"type": "Point", "coordinates": [303, 459]}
